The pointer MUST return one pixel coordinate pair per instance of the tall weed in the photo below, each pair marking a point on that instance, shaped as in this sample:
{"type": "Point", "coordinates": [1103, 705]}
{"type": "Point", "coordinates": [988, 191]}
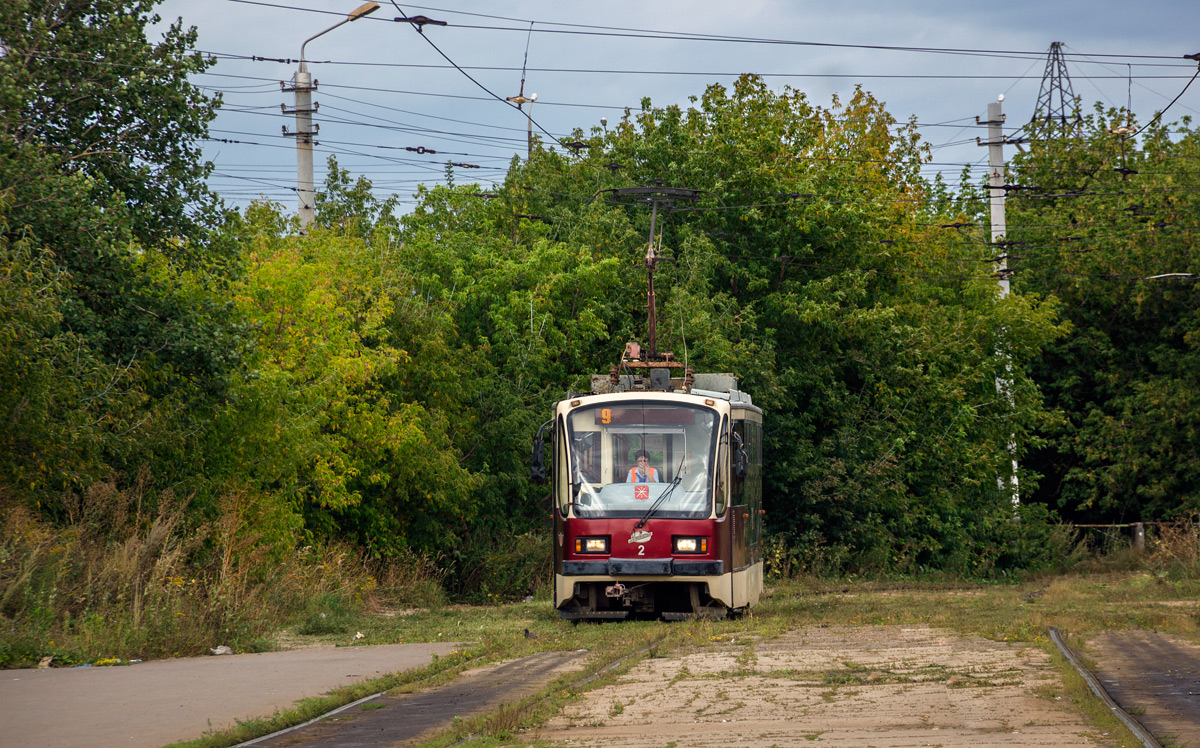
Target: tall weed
{"type": "Point", "coordinates": [1175, 549]}
{"type": "Point", "coordinates": [126, 576]}
{"type": "Point", "coordinates": [409, 580]}
{"type": "Point", "coordinates": [506, 568]}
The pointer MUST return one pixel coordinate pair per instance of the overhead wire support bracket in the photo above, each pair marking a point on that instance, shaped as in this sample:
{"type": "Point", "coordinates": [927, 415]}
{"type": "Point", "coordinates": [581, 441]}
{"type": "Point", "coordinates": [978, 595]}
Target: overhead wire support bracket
{"type": "Point", "coordinates": [419, 22]}
{"type": "Point", "coordinates": [1010, 187]}
{"type": "Point", "coordinates": [316, 129]}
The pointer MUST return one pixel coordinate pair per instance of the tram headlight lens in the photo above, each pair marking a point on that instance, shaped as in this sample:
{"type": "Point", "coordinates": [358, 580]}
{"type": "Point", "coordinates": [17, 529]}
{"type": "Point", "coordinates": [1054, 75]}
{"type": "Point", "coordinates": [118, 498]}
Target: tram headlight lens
{"type": "Point", "coordinates": [591, 545]}
{"type": "Point", "coordinates": [691, 545]}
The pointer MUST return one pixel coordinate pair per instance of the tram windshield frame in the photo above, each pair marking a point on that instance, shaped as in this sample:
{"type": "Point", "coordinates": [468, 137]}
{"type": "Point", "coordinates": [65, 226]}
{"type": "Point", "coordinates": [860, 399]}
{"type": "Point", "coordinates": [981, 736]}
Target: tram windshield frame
{"type": "Point", "coordinates": [604, 439]}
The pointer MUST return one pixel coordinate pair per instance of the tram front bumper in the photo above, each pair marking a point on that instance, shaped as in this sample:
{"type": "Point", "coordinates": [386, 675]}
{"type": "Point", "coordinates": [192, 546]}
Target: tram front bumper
{"type": "Point", "coordinates": [613, 567]}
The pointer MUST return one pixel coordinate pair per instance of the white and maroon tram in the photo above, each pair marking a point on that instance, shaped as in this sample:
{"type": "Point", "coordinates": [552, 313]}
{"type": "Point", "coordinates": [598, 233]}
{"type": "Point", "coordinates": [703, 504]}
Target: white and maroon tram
{"type": "Point", "coordinates": [687, 544]}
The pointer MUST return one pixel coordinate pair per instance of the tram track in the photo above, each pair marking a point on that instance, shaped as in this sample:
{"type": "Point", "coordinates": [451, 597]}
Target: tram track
{"type": "Point", "coordinates": [481, 696]}
{"type": "Point", "coordinates": [496, 698]}
{"type": "Point", "coordinates": [1149, 680]}
{"type": "Point", "coordinates": [263, 740]}
{"type": "Point", "coordinates": [1141, 733]}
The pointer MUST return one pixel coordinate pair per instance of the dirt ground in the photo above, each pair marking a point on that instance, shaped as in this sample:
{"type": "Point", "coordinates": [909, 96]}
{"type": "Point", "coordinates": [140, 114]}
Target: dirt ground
{"type": "Point", "coordinates": [841, 686]}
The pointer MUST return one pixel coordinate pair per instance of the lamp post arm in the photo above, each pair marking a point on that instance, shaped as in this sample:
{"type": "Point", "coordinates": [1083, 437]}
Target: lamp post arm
{"type": "Point", "coordinates": [303, 66]}
{"type": "Point", "coordinates": [362, 10]}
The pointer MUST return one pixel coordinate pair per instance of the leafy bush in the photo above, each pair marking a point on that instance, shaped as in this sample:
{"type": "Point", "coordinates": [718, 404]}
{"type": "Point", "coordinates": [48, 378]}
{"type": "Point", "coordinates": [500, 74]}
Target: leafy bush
{"type": "Point", "coordinates": [507, 568]}
{"type": "Point", "coordinates": [329, 615]}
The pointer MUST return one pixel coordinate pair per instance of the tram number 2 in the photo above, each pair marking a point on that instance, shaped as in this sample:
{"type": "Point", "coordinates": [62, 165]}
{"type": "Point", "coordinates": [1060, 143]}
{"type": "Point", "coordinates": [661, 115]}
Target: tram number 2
{"type": "Point", "coordinates": [641, 550]}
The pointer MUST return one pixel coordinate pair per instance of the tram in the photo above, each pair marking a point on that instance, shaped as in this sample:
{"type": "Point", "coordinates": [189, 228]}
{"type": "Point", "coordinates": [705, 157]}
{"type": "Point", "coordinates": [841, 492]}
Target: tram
{"type": "Point", "coordinates": [675, 535]}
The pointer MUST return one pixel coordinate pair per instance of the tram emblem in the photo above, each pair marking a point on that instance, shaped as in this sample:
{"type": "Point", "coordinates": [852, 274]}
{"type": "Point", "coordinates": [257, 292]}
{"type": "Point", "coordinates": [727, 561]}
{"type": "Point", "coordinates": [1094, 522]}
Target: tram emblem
{"type": "Point", "coordinates": [641, 492]}
{"type": "Point", "coordinates": [640, 536]}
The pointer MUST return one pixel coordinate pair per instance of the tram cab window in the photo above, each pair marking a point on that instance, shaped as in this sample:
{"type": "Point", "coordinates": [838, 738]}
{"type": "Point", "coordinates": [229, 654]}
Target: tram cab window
{"type": "Point", "coordinates": [722, 469]}
{"type": "Point", "coordinates": [604, 441]}
{"type": "Point", "coordinates": [562, 486]}
{"type": "Point", "coordinates": [659, 448]}
{"type": "Point", "coordinates": [586, 450]}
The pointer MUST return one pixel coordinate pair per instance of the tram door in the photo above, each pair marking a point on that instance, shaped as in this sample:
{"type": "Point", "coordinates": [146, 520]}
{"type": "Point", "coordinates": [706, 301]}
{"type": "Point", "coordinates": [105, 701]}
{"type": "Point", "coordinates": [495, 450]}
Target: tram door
{"type": "Point", "coordinates": [745, 492]}
{"type": "Point", "coordinates": [561, 490]}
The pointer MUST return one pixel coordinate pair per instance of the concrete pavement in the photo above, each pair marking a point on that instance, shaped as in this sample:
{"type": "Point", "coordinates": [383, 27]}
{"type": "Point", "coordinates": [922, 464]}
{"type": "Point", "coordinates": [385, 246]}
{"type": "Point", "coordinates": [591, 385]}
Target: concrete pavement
{"type": "Point", "coordinates": [150, 704]}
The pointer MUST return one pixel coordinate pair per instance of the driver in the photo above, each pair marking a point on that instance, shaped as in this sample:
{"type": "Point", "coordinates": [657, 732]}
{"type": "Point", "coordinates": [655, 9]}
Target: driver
{"type": "Point", "coordinates": [642, 472]}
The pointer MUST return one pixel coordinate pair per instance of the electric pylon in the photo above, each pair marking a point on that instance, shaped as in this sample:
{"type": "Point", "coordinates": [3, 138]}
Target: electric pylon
{"type": "Point", "coordinates": [1055, 112]}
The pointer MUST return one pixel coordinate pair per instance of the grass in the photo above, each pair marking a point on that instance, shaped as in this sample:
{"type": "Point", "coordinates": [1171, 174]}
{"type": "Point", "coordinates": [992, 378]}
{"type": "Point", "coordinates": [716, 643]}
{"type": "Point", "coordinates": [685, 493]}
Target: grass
{"type": "Point", "coordinates": [1082, 604]}
{"type": "Point", "coordinates": [117, 587]}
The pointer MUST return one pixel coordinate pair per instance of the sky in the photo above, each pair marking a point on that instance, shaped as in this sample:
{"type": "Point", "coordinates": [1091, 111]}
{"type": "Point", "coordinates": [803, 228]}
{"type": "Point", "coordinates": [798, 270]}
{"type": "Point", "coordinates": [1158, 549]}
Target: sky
{"type": "Point", "coordinates": [383, 89]}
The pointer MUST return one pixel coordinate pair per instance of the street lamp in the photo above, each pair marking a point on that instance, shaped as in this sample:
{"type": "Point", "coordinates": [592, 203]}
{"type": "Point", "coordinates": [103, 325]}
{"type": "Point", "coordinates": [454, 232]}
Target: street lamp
{"type": "Point", "coordinates": [519, 100]}
{"type": "Point", "coordinates": [302, 85]}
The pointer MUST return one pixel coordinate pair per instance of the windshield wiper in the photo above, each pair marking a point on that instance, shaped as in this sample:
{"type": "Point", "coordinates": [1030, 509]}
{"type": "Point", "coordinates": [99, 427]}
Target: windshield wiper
{"type": "Point", "coordinates": [662, 497]}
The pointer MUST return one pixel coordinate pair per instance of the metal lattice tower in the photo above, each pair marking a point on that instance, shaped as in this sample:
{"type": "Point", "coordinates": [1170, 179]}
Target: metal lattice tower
{"type": "Point", "coordinates": [1055, 110]}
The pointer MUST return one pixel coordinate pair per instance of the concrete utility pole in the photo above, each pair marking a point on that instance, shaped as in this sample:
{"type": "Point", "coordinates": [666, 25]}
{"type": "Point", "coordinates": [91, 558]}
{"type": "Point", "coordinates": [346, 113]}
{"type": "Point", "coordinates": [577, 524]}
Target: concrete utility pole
{"type": "Point", "coordinates": [303, 86]}
{"type": "Point", "coordinates": [520, 100]}
{"type": "Point", "coordinates": [995, 144]}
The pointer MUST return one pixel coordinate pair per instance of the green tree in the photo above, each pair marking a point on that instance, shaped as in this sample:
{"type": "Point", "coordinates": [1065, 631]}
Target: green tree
{"type": "Point", "coordinates": [813, 265]}
{"type": "Point", "coordinates": [96, 120]}
{"type": "Point", "coordinates": [61, 407]}
{"type": "Point", "coordinates": [329, 420]}
{"type": "Point", "coordinates": [102, 189]}
{"type": "Point", "coordinates": [521, 316]}
{"type": "Point", "coordinates": [354, 209]}
{"type": "Point", "coordinates": [1109, 228]}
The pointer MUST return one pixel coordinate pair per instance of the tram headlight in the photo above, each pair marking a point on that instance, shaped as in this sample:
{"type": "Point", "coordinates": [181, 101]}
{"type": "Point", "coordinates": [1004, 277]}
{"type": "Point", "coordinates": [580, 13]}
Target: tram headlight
{"type": "Point", "coordinates": [690, 545]}
{"type": "Point", "coordinates": [591, 545]}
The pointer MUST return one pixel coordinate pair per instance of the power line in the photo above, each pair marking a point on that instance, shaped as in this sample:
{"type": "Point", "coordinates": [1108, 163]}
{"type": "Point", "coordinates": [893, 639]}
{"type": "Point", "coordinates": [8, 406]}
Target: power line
{"type": "Point", "coordinates": [1143, 60]}
{"type": "Point", "coordinates": [685, 73]}
{"type": "Point", "coordinates": [593, 30]}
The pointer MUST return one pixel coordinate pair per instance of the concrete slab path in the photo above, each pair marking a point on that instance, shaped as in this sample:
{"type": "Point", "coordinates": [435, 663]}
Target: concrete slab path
{"type": "Point", "coordinates": [151, 704]}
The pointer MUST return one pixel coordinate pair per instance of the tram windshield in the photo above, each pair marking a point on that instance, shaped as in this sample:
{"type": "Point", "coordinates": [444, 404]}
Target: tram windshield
{"type": "Point", "coordinates": [677, 442]}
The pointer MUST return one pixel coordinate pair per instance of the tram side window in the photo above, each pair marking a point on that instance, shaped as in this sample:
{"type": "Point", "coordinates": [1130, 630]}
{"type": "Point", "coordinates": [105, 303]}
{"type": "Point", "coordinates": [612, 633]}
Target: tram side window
{"type": "Point", "coordinates": [737, 484]}
{"type": "Point", "coordinates": [753, 489]}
